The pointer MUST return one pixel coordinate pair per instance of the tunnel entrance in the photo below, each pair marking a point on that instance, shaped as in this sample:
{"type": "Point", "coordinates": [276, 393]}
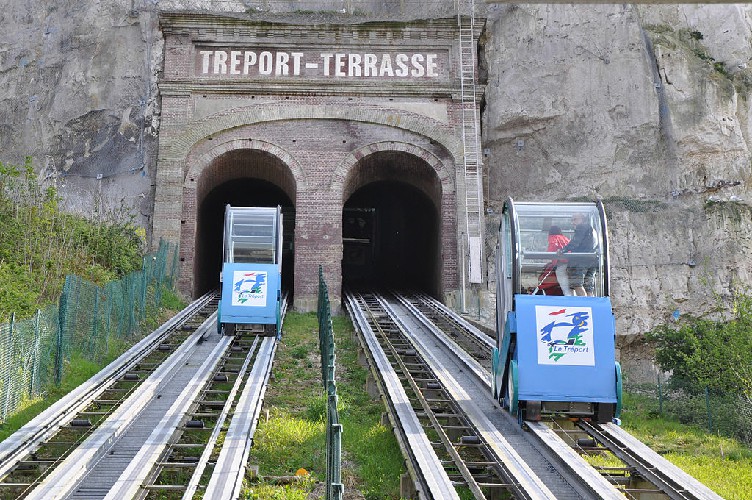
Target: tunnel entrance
{"type": "Point", "coordinates": [390, 238]}
{"type": "Point", "coordinates": [237, 179]}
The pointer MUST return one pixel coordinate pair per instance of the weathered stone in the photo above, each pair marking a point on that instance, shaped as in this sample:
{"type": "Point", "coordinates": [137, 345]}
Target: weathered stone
{"type": "Point", "coordinates": [644, 106]}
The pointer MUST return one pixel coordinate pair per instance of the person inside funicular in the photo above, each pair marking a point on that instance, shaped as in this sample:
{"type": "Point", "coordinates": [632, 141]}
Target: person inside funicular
{"type": "Point", "coordinates": [581, 267]}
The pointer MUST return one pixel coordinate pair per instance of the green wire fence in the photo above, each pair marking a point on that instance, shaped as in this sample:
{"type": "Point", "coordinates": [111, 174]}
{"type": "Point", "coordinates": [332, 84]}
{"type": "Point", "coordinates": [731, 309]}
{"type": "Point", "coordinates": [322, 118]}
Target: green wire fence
{"type": "Point", "coordinates": [334, 486]}
{"type": "Point", "coordinates": [88, 320]}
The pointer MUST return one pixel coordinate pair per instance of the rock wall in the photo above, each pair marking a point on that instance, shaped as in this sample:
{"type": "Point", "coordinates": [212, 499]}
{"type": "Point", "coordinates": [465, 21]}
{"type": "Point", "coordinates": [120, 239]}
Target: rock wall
{"type": "Point", "coordinates": [644, 106]}
{"type": "Point", "coordinates": [647, 108]}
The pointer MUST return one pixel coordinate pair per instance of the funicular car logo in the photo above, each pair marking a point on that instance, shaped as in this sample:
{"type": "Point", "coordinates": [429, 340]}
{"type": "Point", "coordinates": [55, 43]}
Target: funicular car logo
{"type": "Point", "coordinates": [565, 335]}
{"type": "Point", "coordinates": [249, 288]}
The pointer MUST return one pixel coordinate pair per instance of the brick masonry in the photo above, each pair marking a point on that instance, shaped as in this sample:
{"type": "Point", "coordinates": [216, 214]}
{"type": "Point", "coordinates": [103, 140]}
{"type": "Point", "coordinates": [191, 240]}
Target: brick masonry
{"type": "Point", "coordinates": [317, 140]}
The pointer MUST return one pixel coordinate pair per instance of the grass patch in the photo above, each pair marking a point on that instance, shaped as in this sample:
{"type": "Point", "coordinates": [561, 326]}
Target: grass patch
{"type": "Point", "coordinates": [76, 372]}
{"type": "Point", "coordinates": [722, 464]}
{"type": "Point", "coordinates": [294, 436]}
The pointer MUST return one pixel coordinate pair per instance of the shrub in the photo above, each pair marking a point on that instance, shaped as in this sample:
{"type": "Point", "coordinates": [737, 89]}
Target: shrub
{"type": "Point", "coordinates": [40, 244]}
{"type": "Point", "coordinates": [702, 353]}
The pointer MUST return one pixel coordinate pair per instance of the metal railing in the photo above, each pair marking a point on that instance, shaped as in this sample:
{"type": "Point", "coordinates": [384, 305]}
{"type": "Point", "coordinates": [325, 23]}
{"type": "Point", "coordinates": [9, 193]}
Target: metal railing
{"type": "Point", "coordinates": [334, 487]}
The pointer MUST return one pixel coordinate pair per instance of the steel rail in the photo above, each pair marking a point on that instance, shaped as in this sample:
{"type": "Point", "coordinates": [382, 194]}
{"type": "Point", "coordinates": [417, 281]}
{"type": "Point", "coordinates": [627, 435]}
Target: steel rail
{"type": "Point", "coordinates": [229, 471]}
{"type": "Point", "coordinates": [670, 479]}
{"type": "Point", "coordinates": [209, 449]}
{"type": "Point", "coordinates": [129, 482]}
{"type": "Point", "coordinates": [24, 441]}
{"type": "Point", "coordinates": [595, 481]}
{"type": "Point", "coordinates": [241, 410]}
{"type": "Point", "coordinates": [523, 481]}
{"type": "Point", "coordinates": [431, 480]}
{"type": "Point", "coordinates": [461, 322]}
{"type": "Point", "coordinates": [471, 363]}
{"type": "Point", "coordinates": [66, 476]}
{"type": "Point", "coordinates": [428, 411]}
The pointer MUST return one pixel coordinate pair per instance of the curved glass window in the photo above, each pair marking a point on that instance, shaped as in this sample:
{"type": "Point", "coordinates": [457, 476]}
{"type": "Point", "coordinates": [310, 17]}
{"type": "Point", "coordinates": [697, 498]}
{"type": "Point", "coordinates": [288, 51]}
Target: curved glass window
{"type": "Point", "coordinates": [556, 248]}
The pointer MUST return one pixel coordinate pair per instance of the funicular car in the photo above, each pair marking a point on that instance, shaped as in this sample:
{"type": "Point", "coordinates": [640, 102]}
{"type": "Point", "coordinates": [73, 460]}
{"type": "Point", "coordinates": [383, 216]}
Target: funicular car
{"type": "Point", "coordinates": [555, 350]}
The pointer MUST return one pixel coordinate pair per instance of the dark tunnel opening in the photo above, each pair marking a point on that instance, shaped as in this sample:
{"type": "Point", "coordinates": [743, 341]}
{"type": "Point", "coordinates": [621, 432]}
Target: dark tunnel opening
{"type": "Point", "coordinates": [245, 192]}
{"type": "Point", "coordinates": [390, 238]}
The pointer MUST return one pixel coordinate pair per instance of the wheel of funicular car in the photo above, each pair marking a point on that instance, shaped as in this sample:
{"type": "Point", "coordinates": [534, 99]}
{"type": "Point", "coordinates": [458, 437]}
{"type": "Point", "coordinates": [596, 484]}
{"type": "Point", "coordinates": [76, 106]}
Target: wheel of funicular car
{"type": "Point", "coordinates": [219, 318]}
{"type": "Point", "coordinates": [511, 397]}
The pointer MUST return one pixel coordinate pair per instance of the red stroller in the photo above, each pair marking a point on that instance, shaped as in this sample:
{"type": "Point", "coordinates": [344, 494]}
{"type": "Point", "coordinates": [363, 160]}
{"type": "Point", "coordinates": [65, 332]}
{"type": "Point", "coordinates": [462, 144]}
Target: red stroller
{"type": "Point", "coordinates": [547, 282]}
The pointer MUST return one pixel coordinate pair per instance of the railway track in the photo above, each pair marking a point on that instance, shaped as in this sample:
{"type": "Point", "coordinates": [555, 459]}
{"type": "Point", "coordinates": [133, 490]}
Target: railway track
{"type": "Point", "coordinates": [441, 364]}
{"type": "Point", "coordinates": [172, 417]}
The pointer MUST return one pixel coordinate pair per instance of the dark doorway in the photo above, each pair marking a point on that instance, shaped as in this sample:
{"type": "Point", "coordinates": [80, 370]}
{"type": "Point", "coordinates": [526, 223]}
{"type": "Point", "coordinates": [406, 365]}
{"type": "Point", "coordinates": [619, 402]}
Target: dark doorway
{"type": "Point", "coordinates": [390, 238]}
{"type": "Point", "coordinates": [244, 192]}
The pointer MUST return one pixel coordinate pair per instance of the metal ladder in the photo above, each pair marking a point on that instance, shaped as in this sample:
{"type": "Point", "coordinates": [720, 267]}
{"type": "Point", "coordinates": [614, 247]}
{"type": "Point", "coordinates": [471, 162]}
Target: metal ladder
{"type": "Point", "coordinates": [470, 139]}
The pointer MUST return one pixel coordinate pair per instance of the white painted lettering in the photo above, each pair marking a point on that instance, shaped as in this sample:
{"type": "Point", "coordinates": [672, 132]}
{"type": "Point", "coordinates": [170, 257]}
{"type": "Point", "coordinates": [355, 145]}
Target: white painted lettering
{"type": "Point", "coordinates": [401, 60]}
{"type": "Point", "coordinates": [283, 68]}
{"type": "Point", "coordinates": [248, 61]}
{"type": "Point", "coordinates": [220, 62]}
{"type": "Point", "coordinates": [235, 62]}
{"type": "Point", "coordinates": [339, 65]}
{"type": "Point", "coordinates": [265, 63]}
{"type": "Point", "coordinates": [205, 61]}
{"type": "Point", "coordinates": [353, 65]}
{"type": "Point", "coordinates": [327, 61]}
{"type": "Point", "coordinates": [431, 65]}
{"type": "Point", "coordinates": [369, 65]}
{"type": "Point", "coordinates": [281, 63]}
{"type": "Point", "coordinates": [296, 58]}
{"type": "Point", "coordinates": [417, 62]}
{"type": "Point", "coordinates": [386, 66]}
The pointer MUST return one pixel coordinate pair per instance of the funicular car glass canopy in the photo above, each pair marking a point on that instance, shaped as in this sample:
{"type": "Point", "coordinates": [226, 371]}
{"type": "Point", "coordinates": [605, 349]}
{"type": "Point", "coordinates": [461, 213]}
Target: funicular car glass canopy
{"type": "Point", "coordinates": [251, 235]}
{"type": "Point", "coordinates": [554, 351]}
{"type": "Point", "coordinates": [527, 267]}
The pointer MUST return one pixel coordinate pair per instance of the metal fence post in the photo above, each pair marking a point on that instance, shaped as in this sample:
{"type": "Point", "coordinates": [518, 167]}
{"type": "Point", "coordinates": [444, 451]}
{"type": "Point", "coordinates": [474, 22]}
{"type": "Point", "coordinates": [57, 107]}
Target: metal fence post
{"type": "Point", "coordinates": [62, 315]}
{"type": "Point", "coordinates": [334, 486]}
{"type": "Point", "coordinates": [35, 355]}
{"type": "Point", "coordinates": [8, 389]}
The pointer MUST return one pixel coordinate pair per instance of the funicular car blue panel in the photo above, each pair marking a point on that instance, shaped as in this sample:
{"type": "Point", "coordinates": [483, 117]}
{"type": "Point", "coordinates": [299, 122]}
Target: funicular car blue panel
{"type": "Point", "coordinates": [251, 270]}
{"type": "Point", "coordinates": [565, 349]}
{"type": "Point", "coordinates": [555, 349]}
{"type": "Point", "coordinates": [250, 293]}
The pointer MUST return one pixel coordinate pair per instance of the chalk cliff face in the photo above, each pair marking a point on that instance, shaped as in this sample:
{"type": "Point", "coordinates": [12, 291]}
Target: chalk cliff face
{"type": "Point", "coordinates": [644, 106]}
{"type": "Point", "coordinates": [79, 90]}
{"type": "Point", "coordinates": [647, 108]}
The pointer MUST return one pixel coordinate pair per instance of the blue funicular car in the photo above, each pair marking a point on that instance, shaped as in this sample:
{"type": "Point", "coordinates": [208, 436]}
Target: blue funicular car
{"type": "Point", "coordinates": [555, 351]}
{"type": "Point", "coordinates": [251, 271]}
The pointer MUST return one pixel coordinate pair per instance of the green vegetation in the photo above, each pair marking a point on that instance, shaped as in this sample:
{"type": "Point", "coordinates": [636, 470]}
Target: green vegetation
{"type": "Point", "coordinates": [40, 244]}
{"type": "Point", "coordinates": [79, 369]}
{"type": "Point", "coordinates": [293, 436]}
{"type": "Point", "coordinates": [723, 464]}
{"type": "Point", "coordinates": [702, 353]}
{"type": "Point", "coordinates": [701, 419]}
{"type": "Point", "coordinates": [76, 372]}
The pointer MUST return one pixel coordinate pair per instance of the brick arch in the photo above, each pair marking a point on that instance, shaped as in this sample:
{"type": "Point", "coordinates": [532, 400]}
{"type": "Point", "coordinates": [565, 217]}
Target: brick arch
{"type": "Point", "coordinates": [442, 194]}
{"type": "Point", "coordinates": [441, 133]}
{"type": "Point", "coordinates": [201, 161]}
{"type": "Point", "coordinates": [345, 168]}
